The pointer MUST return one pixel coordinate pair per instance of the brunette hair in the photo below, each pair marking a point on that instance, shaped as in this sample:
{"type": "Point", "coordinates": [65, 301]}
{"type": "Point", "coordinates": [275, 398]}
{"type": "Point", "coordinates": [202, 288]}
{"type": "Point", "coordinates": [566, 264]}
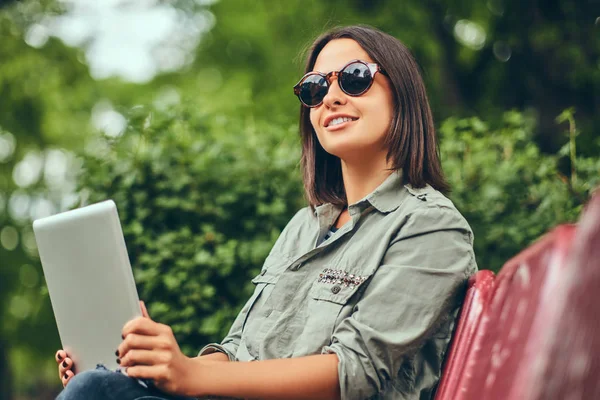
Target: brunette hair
{"type": "Point", "coordinates": [411, 139]}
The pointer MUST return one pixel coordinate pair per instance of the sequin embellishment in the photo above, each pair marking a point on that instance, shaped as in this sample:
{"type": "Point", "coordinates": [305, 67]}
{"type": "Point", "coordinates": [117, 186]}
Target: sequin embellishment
{"type": "Point", "coordinates": [339, 277]}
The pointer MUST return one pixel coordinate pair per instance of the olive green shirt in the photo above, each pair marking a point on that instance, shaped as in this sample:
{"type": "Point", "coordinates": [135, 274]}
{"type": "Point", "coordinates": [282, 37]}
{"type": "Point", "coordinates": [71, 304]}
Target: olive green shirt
{"type": "Point", "coordinates": [382, 293]}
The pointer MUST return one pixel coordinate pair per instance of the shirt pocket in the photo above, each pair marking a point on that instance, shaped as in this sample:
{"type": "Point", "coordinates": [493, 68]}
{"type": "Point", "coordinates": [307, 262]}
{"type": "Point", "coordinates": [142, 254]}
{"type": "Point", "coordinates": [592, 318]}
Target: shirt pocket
{"type": "Point", "coordinates": [267, 278]}
{"type": "Point", "coordinates": [329, 302]}
{"type": "Point", "coordinates": [265, 282]}
{"type": "Point", "coordinates": [257, 319]}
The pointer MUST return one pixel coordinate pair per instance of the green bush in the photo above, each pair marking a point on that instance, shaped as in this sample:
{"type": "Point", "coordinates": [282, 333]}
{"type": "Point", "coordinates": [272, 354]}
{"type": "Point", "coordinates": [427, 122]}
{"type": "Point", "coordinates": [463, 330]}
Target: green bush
{"type": "Point", "coordinates": [202, 200]}
{"type": "Point", "coordinates": [510, 192]}
{"type": "Point", "coordinates": [201, 203]}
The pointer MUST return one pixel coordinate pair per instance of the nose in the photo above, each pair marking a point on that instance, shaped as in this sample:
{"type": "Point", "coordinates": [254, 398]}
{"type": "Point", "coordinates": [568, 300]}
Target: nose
{"type": "Point", "coordinates": [335, 96]}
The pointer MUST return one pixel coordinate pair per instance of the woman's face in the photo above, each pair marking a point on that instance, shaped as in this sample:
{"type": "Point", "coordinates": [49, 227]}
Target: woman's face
{"type": "Point", "coordinates": [371, 113]}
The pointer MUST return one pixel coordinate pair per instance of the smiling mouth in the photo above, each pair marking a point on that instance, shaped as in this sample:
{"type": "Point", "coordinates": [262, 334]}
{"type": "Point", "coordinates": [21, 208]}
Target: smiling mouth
{"type": "Point", "coordinates": [339, 122]}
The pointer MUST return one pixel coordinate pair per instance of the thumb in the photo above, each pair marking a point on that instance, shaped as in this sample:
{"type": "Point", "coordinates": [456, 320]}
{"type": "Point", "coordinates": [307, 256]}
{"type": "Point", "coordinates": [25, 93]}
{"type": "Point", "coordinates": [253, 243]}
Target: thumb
{"type": "Point", "coordinates": [144, 310]}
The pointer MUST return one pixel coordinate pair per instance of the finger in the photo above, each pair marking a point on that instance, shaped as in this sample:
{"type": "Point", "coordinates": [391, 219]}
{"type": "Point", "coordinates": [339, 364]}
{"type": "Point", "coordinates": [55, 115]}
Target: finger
{"type": "Point", "coordinates": [64, 376]}
{"type": "Point", "coordinates": [60, 356]}
{"type": "Point", "coordinates": [141, 326]}
{"type": "Point", "coordinates": [65, 366]}
{"type": "Point", "coordinates": [67, 376]}
{"type": "Point", "coordinates": [153, 372]}
{"type": "Point", "coordinates": [144, 309]}
{"type": "Point", "coordinates": [145, 357]}
{"type": "Point", "coordinates": [135, 341]}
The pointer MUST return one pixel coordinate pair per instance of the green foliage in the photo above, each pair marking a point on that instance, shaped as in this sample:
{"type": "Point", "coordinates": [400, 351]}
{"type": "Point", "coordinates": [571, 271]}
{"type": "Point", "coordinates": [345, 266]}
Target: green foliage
{"type": "Point", "coordinates": [510, 192]}
{"type": "Point", "coordinates": [201, 204]}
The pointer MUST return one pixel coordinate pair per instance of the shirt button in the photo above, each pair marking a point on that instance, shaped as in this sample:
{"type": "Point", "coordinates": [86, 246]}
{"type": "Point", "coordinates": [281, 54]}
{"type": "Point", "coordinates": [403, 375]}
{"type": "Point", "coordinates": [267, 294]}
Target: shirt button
{"type": "Point", "coordinates": [336, 289]}
{"type": "Point", "coordinates": [264, 271]}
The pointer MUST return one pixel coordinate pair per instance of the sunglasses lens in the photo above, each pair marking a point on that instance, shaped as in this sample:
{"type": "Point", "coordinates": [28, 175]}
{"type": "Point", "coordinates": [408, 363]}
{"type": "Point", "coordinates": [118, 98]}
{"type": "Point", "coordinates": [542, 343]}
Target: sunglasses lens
{"type": "Point", "coordinates": [313, 89]}
{"type": "Point", "coordinates": [356, 78]}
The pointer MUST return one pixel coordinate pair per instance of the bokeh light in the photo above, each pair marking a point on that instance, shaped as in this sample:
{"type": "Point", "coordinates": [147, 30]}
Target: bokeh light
{"type": "Point", "coordinates": [470, 34]}
{"type": "Point", "coordinates": [9, 238]}
{"type": "Point", "coordinates": [7, 146]}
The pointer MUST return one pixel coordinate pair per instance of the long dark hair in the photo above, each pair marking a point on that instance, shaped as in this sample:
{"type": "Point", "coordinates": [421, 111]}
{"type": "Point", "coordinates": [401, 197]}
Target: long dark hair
{"type": "Point", "coordinates": [411, 140]}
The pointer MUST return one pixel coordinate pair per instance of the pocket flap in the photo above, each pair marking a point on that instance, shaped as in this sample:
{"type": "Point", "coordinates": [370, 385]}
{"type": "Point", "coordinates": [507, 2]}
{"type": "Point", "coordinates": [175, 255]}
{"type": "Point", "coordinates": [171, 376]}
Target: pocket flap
{"type": "Point", "coordinates": [265, 276]}
{"type": "Point", "coordinates": [274, 265]}
{"type": "Point", "coordinates": [336, 286]}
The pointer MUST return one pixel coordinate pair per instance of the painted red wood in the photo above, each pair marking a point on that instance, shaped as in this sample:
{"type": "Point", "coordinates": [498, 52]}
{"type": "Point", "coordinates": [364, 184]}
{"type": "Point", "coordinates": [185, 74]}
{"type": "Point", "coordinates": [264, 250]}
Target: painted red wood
{"type": "Point", "coordinates": [476, 301]}
{"type": "Point", "coordinates": [522, 288]}
{"type": "Point", "coordinates": [533, 333]}
{"type": "Point", "coordinates": [564, 360]}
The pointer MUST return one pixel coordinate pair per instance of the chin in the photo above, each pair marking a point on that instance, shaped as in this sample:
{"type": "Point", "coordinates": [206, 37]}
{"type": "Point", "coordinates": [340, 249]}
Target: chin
{"type": "Point", "coordinates": [348, 150]}
{"type": "Point", "coordinates": [350, 143]}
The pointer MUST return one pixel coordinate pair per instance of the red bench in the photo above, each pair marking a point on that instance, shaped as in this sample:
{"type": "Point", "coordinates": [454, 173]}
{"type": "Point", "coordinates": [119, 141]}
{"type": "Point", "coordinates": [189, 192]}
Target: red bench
{"type": "Point", "coordinates": [532, 332]}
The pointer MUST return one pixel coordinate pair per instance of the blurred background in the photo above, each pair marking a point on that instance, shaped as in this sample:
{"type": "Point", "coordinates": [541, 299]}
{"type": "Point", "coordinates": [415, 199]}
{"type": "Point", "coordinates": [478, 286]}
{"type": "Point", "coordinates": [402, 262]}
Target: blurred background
{"type": "Point", "coordinates": [182, 112]}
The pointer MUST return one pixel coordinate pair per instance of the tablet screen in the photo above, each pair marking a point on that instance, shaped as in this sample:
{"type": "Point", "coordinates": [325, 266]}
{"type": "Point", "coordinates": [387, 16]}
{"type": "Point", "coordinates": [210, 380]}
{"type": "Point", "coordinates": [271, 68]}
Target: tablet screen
{"type": "Point", "coordinates": [89, 280]}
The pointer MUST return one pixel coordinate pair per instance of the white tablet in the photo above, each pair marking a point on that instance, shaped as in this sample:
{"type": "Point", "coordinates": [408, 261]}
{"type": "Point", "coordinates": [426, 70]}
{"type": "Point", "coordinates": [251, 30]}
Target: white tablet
{"type": "Point", "coordinates": [90, 281]}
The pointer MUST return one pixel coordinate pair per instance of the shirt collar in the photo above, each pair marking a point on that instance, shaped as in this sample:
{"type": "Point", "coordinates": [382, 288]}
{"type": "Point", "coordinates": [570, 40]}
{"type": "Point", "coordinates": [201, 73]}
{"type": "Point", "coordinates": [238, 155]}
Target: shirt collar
{"type": "Point", "coordinates": [387, 197]}
{"type": "Point", "coordinates": [327, 211]}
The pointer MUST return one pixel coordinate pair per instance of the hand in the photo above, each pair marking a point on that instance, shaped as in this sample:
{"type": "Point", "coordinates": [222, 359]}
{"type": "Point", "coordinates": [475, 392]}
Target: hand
{"type": "Point", "coordinates": [149, 351]}
{"type": "Point", "coordinates": [65, 367]}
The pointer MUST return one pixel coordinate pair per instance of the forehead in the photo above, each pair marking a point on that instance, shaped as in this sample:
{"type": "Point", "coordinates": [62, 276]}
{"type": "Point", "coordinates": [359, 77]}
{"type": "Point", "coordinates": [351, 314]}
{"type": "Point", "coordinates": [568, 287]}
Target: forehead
{"type": "Point", "coordinates": [338, 53]}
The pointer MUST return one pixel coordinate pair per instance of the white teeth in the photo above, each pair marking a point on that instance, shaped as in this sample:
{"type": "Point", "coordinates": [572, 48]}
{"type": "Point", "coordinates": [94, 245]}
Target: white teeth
{"type": "Point", "coordinates": [339, 120]}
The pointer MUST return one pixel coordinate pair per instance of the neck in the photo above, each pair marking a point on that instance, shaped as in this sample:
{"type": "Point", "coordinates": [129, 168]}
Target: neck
{"type": "Point", "coordinates": [363, 177]}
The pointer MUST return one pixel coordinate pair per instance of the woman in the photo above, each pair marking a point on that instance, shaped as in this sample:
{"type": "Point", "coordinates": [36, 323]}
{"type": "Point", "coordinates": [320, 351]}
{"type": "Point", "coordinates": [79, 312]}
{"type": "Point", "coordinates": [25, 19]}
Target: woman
{"type": "Point", "coordinates": [359, 295]}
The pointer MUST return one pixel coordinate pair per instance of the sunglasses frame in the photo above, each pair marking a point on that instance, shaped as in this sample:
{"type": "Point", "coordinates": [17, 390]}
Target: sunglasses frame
{"type": "Point", "coordinates": [373, 68]}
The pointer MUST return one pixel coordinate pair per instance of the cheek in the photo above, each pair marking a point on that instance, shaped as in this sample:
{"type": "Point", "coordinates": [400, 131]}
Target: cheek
{"type": "Point", "coordinates": [383, 111]}
{"type": "Point", "coordinates": [384, 99]}
{"type": "Point", "coordinates": [378, 114]}
{"type": "Point", "coordinates": [315, 117]}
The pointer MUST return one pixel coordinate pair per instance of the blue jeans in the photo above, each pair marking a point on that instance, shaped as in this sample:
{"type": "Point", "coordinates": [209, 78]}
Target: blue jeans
{"type": "Point", "coordinates": [102, 384]}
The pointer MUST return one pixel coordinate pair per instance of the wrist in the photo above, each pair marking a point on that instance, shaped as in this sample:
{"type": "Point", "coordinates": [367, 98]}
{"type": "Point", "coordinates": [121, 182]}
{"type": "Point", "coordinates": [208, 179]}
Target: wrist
{"type": "Point", "coordinates": [194, 376]}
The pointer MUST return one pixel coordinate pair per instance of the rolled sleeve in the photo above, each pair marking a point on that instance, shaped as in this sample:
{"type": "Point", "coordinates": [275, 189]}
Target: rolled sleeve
{"type": "Point", "coordinates": [217, 348]}
{"type": "Point", "coordinates": [418, 286]}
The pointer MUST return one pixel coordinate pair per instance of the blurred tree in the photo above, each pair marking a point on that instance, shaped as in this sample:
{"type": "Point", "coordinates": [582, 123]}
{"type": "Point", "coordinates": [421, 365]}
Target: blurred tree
{"type": "Point", "coordinates": [5, 2]}
{"type": "Point", "coordinates": [542, 56]}
{"type": "Point", "coordinates": [478, 57]}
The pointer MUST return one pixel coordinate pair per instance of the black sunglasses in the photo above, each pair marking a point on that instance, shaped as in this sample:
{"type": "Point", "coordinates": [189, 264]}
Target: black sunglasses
{"type": "Point", "coordinates": [355, 78]}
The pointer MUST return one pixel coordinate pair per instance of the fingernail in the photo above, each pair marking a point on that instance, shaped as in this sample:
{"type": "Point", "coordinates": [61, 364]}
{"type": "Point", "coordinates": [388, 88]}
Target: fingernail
{"type": "Point", "coordinates": [118, 361]}
{"type": "Point", "coordinates": [59, 356]}
{"type": "Point", "coordinates": [66, 377]}
{"type": "Point", "coordinates": [65, 363]}
{"type": "Point", "coordinates": [123, 337]}
{"type": "Point", "coordinates": [117, 353]}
